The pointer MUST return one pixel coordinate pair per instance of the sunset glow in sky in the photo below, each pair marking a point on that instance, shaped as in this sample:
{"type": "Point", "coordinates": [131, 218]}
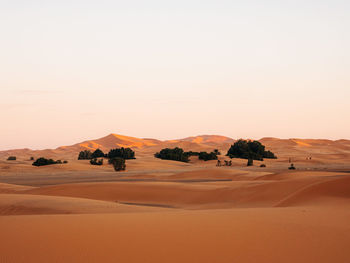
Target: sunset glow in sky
{"type": "Point", "coordinates": [77, 70]}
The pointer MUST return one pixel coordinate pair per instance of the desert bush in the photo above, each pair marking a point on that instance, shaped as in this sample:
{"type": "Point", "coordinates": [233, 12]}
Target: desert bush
{"type": "Point", "coordinates": [249, 149]}
{"type": "Point", "coordinates": [216, 151]}
{"type": "Point", "coordinates": [43, 161]}
{"type": "Point", "coordinates": [207, 156]}
{"type": "Point", "coordinates": [31, 158]}
{"type": "Point", "coordinates": [124, 153]}
{"type": "Point", "coordinates": [176, 154]}
{"type": "Point", "coordinates": [118, 164]}
{"type": "Point", "coordinates": [291, 167]}
{"type": "Point", "coordinates": [97, 154]}
{"type": "Point", "coordinates": [65, 161]}
{"type": "Point", "coordinates": [263, 165]}
{"type": "Point", "coordinates": [85, 155]}
{"type": "Point", "coordinates": [12, 158]}
{"type": "Point", "coordinates": [96, 161]}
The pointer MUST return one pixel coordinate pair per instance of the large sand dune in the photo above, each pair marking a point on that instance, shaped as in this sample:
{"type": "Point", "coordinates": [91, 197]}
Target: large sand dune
{"type": "Point", "coordinates": [166, 211]}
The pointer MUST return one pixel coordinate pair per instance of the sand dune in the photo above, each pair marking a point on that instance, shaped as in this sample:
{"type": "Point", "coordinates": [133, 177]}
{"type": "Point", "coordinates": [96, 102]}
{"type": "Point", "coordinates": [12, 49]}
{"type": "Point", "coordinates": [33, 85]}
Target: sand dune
{"type": "Point", "coordinates": [241, 235]}
{"type": "Point", "coordinates": [23, 204]}
{"type": "Point", "coordinates": [167, 211]}
{"type": "Point", "coordinates": [238, 189]}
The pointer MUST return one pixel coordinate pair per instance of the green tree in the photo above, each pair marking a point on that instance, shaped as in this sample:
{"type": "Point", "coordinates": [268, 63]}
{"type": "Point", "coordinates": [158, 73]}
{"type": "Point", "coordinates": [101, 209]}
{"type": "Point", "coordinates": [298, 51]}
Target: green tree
{"type": "Point", "coordinates": [85, 155]}
{"type": "Point", "coordinates": [118, 164]}
{"type": "Point", "coordinates": [97, 154]}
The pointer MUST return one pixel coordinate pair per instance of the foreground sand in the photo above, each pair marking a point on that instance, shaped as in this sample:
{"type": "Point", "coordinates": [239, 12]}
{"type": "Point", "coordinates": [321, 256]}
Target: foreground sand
{"type": "Point", "coordinates": [163, 211]}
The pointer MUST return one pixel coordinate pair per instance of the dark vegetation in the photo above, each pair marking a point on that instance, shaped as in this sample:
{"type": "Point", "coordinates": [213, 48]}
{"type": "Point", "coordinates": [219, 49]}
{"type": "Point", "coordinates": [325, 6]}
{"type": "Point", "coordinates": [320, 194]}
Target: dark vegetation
{"type": "Point", "coordinates": [263, 165]}
{"type": "Point", "coordinates": [291, 167]}
{"type": "Point", "coordinates": [31, 158]}
{"type": "Point", "coordinates": [249, 150]}
{"type": "Point", "coordinates": [118, 164]}
{"type": "Point", "coordinates": [85, 155]}
{"type": "Point", "coordinates": [216, 151]}
{"type": "Point", "coordinates": [12, 158]}
{"type": "Point", "coordinates": [96, 161]}
{"type": "Point", "coordinates": [97, 154]}
{"type": "Point", "coordinates": [207, 156]}
{"type": "Point", "coordinates": [124, 153]}
{"type": "Point", "coordinates": [116, 157]}
{"type": "Point", "coordinates": [176, 154]}
{"type": "Point", "coordinates": [43, 161]}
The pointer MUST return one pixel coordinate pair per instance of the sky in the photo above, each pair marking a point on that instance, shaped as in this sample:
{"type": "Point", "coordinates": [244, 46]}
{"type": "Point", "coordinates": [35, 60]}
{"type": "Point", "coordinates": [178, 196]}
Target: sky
{"type": "Point", "coordinates": [77, 70]}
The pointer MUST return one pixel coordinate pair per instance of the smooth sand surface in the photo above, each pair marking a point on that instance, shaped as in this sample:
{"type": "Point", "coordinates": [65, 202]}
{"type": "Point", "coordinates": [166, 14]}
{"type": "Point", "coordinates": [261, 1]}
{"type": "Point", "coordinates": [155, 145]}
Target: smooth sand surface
{"type": "Point", "coordinates": [165, 211]}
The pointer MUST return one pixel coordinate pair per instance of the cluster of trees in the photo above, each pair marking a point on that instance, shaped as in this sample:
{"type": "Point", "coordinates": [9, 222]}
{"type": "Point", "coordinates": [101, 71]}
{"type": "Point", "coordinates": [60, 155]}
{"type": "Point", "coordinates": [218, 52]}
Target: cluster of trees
{"type": "Point", "coordinates": [118, 164]}
{"type": "Point", "coordinates": [125, 153]}
{"type": "Point", "coordinates": [43, 161]}
{"type": "Point", "coordinates": [116, 157]}
{"type": "Point", "coordinates": [178, 154]}
{"type": "Point", "coordinates": [249, 150]}
{"type": "Point", "coordinates": [207, 156]}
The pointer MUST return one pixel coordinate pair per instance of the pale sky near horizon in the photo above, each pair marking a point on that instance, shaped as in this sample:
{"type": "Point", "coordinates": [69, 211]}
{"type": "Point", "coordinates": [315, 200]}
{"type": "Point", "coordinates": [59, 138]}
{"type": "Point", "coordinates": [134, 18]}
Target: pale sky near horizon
{"type": "Point", "coordinates": [77, 70]}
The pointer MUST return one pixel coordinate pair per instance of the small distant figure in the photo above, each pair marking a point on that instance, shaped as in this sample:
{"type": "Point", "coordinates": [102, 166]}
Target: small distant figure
{"type": "Point", "coordinates": [218, 163]}
{"type": "Point", "coordinates": [291, 167]}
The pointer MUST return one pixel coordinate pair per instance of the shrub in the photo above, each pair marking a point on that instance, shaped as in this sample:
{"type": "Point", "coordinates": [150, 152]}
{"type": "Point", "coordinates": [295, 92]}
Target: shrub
{"type": "Point", "coordinates": [216, 151]}
{"type": "Point", "coordinates": [12, 158]}
{"type": "Point", "coordinates": [59, 161]}
{"type": "Point", "coordinates": [43, 161]}
{"type": "Point", "coordinates": [31, 159]}
{"type": "Point", "coordinates": [65, 161]}
{"type": "Point", "coordinates": [124, 153]}
{"type": "Point", "coordinates": [207, 156]}
{"type": "Point", "coordinates": [85, 155]}
{"type": "Point", "coordinates": [249, 149]}
{"type": "Point", "coordinates": [97, 154]}
{"type": "Point", "coordinates": [95, 161]}
{"type": "Point", "coordinates": [291, 167]}
{"type": "Point", "coordinates": [263, 165]}
{"type": "Point", "coordinates": [176, 154]}
{"type": "Point", "coordinates": [118, 164]}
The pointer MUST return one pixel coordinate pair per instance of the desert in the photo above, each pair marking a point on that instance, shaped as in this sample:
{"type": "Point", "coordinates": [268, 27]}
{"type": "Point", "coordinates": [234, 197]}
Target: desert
{"type": "Point", "coordinates": [169, 211]}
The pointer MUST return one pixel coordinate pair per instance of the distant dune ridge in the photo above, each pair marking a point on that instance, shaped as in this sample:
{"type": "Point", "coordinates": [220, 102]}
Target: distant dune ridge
{"type": "Point", "coordinates": [282, 147]}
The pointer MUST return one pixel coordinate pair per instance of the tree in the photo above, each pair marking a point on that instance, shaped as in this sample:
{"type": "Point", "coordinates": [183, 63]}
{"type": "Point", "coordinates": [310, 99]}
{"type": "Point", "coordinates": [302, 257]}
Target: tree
{"type": "Point", "coordinates": [118, 164]}
{"type": "Point", "coordinates": [207, 156]}
{"type": "Point", "coordinates": [175, 154]}
{"type": "Point", "coordinates": [12, 158]}
{"type": "Point", "coordinates": [97, 154]}
{"type": "Point", "coordinates": [125, 153]}
{"type": "Point", "coordinates": [85, 155]}
{"type": "Point", "coordinates": [249, 149]}
{"type": "Point", "coordinates": [43, 161]}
